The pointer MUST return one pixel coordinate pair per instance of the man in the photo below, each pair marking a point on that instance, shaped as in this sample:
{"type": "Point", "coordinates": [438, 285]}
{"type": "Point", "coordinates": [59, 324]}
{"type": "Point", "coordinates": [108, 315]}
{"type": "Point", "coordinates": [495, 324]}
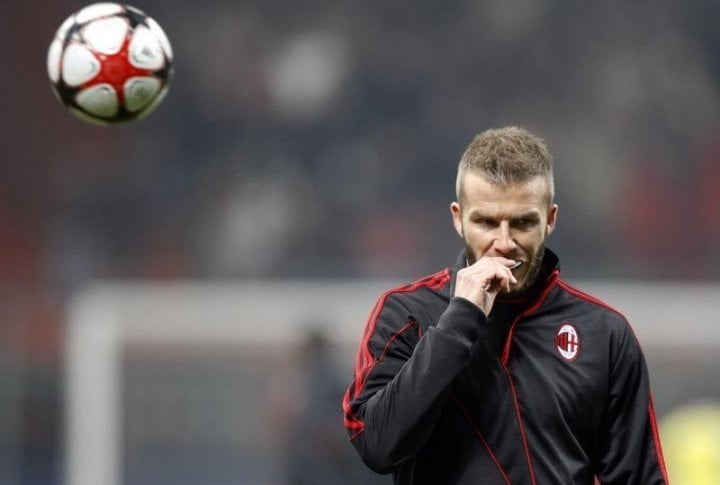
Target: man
{"type": "Point", "coordinates": [497, 371]}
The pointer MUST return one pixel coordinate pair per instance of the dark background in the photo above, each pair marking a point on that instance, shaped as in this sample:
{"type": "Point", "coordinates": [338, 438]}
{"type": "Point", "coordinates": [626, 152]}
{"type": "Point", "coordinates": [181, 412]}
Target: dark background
{"type": "Point", "coordinates": [319, 139]}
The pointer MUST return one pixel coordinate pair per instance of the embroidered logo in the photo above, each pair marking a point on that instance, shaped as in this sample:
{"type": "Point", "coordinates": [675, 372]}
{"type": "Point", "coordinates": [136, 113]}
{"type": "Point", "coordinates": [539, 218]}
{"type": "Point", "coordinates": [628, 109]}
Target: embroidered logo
{"type": "Point", "coordinates": [567, 342]}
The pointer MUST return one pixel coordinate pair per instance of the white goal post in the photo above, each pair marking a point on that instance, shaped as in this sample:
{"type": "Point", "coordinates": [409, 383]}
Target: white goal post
{"type": "Point", "coordinates": [106, 316]}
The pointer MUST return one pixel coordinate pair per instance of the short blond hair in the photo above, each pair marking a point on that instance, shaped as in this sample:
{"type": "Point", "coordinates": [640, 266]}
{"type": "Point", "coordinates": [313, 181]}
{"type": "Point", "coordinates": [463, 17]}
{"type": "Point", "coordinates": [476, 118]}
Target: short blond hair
{"type": "Point", "coordinates": [506, 156]}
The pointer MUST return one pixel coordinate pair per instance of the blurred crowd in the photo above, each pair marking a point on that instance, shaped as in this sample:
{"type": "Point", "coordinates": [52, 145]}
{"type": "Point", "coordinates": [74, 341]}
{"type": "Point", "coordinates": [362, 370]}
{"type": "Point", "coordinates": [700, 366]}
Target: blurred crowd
{"type": "Point", "coordinates": [319, 139]}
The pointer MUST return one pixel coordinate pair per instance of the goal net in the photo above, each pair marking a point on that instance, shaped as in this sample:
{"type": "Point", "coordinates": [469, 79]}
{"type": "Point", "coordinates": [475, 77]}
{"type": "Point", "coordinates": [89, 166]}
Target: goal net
{"type": "Point", "coordinates": [209, 382]}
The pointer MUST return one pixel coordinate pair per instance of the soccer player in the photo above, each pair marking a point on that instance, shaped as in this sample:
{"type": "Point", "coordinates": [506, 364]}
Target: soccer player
{"type": "Point", "coordinates": [496, 371]}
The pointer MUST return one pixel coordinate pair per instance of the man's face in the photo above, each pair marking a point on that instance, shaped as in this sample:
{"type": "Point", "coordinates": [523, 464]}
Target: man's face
{"type": "Point", "coordinates": [511, 221]}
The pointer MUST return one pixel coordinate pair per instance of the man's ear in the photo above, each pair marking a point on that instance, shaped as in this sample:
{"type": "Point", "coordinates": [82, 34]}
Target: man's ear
{"type": "Point", "coordinates": [552, 218]}
{"type": "Point", "coordinates": [456, 212]}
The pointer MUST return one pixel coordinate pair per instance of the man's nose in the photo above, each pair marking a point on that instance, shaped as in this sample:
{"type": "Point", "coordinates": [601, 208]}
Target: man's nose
{"type": "Point", "coordinates": [504, 241]}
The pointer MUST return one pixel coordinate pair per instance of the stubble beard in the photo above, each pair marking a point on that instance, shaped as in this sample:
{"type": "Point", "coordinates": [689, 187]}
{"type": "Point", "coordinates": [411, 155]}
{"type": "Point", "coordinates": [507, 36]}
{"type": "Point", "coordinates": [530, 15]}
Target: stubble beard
{"type": "Point", "coordinates": [533, 270]}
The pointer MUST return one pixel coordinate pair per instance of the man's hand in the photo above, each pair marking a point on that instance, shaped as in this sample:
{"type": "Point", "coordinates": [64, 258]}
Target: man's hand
{"type": "Point", "coordinates": [482, 281]}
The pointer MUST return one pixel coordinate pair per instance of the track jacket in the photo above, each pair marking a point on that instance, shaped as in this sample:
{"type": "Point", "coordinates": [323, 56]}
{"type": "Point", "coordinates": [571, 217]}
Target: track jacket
{"type": "Point", "coordinates": [551, 388]}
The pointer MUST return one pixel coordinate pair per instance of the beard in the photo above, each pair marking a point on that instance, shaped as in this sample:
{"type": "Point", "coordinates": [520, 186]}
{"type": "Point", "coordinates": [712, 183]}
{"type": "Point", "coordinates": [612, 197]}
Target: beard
{"type": "Point", "coordinates": [533, 272]}
{"type": "Point", "coordinates": [534, 266]}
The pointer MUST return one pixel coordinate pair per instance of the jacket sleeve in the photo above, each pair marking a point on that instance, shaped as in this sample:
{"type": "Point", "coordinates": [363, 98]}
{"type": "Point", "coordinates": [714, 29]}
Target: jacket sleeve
{"type": "Point", "coordinates": [402, 378]}
{"type": "Point", "coordinates": [629, 444]}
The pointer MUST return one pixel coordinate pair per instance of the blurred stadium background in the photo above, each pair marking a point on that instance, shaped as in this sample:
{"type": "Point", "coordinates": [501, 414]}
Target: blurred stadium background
{"type": "Point", "coordinates": [314, 143]}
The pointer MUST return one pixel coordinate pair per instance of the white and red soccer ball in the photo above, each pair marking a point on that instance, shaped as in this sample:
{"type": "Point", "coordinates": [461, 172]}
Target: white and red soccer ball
{"type": "Point", "coordinates": [110, 63]}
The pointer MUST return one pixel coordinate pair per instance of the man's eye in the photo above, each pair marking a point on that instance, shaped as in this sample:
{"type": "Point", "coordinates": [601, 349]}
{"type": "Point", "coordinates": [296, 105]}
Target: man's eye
{"type": "Point", "coordinates": [524, 222]}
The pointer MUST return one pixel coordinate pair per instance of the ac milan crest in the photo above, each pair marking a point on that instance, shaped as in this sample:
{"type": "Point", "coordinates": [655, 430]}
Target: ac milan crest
{"type": "Point", "coordinates": [567, 342]}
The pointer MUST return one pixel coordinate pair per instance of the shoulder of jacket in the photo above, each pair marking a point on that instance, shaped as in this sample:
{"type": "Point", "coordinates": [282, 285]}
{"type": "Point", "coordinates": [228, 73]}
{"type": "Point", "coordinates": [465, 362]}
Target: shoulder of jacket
{"type": "Point", "coordinates": [408, 292]}
{"type": "Point", "coordinates": [581, 297]}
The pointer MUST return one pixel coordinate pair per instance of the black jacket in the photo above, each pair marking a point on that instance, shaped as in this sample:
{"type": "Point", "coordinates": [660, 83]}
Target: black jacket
{"type": "Point", "coordinates": [552, 388]}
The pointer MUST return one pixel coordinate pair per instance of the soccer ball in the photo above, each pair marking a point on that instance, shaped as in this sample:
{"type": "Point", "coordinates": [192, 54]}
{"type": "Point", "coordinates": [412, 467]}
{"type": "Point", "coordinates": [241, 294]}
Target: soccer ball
{"type": "Point", "coordinates": [110, 63]}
